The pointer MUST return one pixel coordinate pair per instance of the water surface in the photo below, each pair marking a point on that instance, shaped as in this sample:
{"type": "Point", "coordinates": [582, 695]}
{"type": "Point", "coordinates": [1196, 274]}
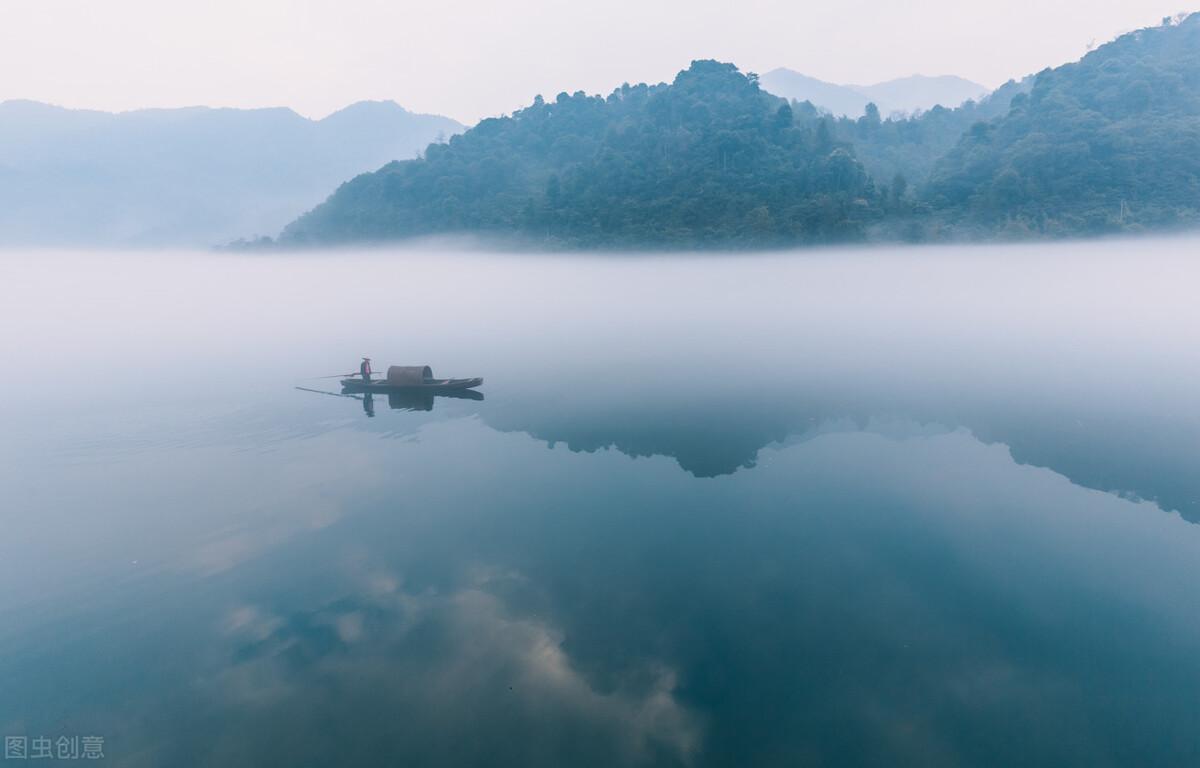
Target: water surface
{"type": "Point", "coordinates": [884, 507]}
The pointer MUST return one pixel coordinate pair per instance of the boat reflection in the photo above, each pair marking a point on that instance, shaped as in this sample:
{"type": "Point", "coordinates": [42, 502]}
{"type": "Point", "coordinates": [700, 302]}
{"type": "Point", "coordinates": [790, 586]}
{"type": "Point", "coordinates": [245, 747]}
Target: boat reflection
{"type": "Point", "coordinates": [403, 399]}
{"type": "Point", "coordinates": [421, 399]}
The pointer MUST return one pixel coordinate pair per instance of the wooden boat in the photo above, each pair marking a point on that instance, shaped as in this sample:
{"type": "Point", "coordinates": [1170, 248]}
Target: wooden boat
{"type": "Point", "coordinates": [414, 377]}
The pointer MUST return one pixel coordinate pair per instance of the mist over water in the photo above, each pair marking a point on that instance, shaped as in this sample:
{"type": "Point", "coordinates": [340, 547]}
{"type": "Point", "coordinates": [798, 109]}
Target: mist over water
{"type": "Point", "coordinates": [921, 506]}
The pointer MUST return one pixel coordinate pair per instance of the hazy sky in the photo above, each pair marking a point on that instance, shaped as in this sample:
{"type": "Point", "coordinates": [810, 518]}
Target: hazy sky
{"type": "Point", "coordinates": [472, 58]}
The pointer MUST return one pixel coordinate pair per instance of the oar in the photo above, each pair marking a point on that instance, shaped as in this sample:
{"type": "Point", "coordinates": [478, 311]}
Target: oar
{"type": "Point", "coordinates": [339, 375]}
{"type": "Point", "coordinates": [323, 392]}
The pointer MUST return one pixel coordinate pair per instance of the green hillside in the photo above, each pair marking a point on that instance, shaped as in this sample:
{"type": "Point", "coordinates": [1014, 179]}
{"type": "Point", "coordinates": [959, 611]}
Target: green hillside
{"type": "Point", "coordinates": [1109, 143]}
{"type": "Point", "coordinates": [708, 160]}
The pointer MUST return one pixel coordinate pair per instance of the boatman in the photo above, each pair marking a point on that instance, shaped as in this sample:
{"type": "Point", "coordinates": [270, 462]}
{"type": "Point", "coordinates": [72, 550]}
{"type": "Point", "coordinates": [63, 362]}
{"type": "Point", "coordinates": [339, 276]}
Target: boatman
{"type": "Point", "coordinates": [365, 369]}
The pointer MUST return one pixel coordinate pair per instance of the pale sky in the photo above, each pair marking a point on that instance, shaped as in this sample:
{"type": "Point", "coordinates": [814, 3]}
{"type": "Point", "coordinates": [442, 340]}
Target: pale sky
{"type": "Point", "coordinates": [473, 58]}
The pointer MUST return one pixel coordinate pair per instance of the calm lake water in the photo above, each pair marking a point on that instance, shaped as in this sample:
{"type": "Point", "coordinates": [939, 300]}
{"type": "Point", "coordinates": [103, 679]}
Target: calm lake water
{"type": "Point", "coordinates": [909, 507]}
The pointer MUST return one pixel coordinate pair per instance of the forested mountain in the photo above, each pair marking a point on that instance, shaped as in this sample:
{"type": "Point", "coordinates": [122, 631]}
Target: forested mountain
{"type": "Point", "coordinates": [194, 176]}
{"type": "Point", "coordinates": [710, 159]}
{"type": "Point", "coordinates": [1109, 143]}
{"type": "Point", "coordinates": [911, 145]}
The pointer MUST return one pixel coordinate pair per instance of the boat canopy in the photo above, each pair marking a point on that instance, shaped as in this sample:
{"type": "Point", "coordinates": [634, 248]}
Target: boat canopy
{"type": "Point", "coordinates": [408, 375]}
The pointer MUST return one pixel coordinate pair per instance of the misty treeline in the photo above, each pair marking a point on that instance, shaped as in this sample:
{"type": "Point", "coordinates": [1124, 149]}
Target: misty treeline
{"type": "Point", "coordinates": [1107, 144]}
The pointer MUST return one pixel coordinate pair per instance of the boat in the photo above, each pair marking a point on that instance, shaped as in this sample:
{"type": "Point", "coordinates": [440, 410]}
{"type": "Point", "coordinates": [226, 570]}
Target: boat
{"type": "Point", "coordinates": [409, 377]}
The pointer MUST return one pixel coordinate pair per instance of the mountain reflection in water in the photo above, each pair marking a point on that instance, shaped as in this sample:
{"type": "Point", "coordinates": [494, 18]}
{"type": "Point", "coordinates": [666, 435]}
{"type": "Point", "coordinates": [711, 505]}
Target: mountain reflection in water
{"type": "Point", "coordinates": [920, 507]}
{"type": "Point", "coordinates": [708, 439]}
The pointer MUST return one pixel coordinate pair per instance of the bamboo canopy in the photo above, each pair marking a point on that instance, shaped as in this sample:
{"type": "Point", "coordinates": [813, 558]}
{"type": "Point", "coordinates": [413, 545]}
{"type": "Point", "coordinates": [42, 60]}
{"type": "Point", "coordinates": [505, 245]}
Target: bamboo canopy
{"type": "Point", "coordinates": [408, 375]}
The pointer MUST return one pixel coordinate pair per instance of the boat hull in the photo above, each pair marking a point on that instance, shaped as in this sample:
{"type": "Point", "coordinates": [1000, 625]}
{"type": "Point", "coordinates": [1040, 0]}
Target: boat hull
{"type": "Point", "coordinates": [429, 385]}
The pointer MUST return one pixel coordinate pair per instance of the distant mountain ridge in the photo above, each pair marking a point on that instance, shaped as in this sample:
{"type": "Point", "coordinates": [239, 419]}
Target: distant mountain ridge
{"type": "Point", "coordinates": [192, 176]}
{"type": "Point", "coordinates": [793, 86]}
{"type": "Point", "coordinates": [905, 94]}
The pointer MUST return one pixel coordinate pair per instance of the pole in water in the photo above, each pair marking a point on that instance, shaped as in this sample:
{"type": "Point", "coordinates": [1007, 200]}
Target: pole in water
{"type": "Point", "coordinates": [323, 392]}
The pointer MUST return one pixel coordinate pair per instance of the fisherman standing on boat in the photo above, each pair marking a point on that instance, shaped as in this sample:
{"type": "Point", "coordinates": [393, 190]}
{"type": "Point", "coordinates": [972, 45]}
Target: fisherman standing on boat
{"type": "Point", "coordinates": [365, 369]}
